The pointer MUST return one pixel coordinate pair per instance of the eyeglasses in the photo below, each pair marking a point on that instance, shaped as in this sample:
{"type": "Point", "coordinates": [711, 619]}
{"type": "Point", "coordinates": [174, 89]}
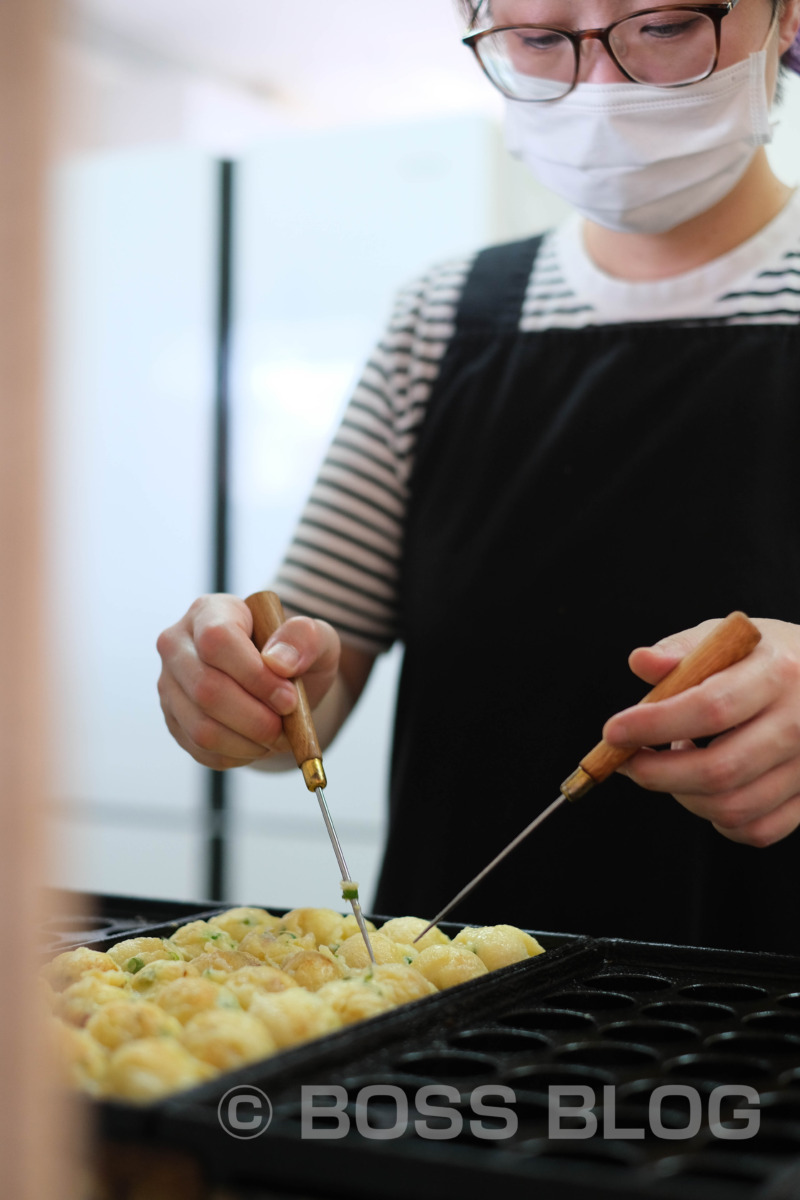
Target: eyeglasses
{"type": "Point", "coordinates": [664, 47]}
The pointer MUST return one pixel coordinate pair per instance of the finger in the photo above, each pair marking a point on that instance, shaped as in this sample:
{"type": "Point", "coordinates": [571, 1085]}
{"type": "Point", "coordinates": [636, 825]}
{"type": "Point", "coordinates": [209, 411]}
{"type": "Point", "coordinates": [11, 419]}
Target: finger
{"type": "Point", "coordinates": [216, 762]}
{"type": "Point", "coordinates": [741, 806]}
{"type": "Point", "coordinates": [219, 696]}
{"type": "Point", "coordinates": [652, 663]}
{"type": "Point", "coordinates": [248, 678]}
{"type": "Point", "coordinates": [302, 645]}
{"type": "Point", "coordinates": [728, 763]}
{"type": "Point", "coordinates": [636, 769]}
{"type": "Point", "coordinates": [221, 638]}
{"type": "Point", "coordinates": [212, 736]}
{"type": "Point", "coordinates": [742, 815]}
{"type": "Point", "coordinates": [724, 700]}
{"type": "Point", "coordinates": [766, 830]}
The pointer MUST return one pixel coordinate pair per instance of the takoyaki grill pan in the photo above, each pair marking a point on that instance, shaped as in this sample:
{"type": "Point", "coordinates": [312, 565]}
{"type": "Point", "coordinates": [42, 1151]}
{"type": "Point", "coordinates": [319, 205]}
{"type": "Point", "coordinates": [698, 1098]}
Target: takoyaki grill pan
{"type": "Point", "coordinates": [592, 1013]}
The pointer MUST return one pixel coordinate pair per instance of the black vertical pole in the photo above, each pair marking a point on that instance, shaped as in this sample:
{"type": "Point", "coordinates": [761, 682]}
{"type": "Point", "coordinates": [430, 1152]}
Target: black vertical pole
{"type": "Point", "coordinates": [216, 808]}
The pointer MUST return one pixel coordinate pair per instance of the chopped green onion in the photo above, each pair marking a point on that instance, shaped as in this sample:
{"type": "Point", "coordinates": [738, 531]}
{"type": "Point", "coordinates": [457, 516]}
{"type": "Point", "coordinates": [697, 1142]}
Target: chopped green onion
{"type": "Point", "coordinates": [134, 964]}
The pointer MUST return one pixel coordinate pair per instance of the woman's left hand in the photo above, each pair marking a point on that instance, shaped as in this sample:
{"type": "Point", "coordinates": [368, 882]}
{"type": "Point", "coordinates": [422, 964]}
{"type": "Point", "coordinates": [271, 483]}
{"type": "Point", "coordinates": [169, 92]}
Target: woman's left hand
{"type": "Point", "coordinates": [746, 782]}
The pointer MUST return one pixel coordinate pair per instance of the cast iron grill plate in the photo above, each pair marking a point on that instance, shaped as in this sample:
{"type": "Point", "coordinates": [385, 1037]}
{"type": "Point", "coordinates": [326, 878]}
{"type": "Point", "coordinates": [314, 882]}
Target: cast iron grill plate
{"type": "Point", "coordinates": [594, 1012]}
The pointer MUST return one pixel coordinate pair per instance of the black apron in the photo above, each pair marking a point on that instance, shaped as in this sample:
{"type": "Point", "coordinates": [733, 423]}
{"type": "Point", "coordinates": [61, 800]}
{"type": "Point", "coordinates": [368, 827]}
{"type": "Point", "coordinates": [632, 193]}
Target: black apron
{"type": "Point", "coordinates": [577, 493]}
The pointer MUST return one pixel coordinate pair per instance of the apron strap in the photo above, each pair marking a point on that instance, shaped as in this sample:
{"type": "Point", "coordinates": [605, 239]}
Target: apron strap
{"type": "Point", "coordinates": [496, 286]}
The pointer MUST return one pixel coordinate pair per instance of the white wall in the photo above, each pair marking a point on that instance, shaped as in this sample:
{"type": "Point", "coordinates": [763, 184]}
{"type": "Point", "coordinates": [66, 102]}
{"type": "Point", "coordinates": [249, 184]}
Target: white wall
{"type": "Point", "coordinates": [131, 382]}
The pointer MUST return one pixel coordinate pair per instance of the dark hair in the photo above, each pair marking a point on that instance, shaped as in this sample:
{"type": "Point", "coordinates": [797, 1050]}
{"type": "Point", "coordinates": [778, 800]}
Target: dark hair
{"type": "Point", "coordinates": [791, 59]}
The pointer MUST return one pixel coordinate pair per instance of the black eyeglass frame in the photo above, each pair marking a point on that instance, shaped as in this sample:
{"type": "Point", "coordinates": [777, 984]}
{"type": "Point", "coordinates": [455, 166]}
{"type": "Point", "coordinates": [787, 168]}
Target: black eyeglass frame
{"type": "Point", "coordinates": [716, 13]}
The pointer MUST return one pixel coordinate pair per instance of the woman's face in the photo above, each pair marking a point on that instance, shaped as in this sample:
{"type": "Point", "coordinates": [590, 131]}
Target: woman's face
{"type": "Point", "coordinates": [747, 29]}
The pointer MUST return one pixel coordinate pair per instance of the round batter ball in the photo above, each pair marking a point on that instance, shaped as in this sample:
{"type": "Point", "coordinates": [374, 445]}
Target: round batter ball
{"type": "Point", "coordinates": [227, 1040]}
{"type": "Point", "coordinates": [238, 922]}
{"type": "Point", "coordinates": [198, 936]}
{"type": "Point", "coordinates": [68, 967]}
{"type": "Point", "coordinates": [354, 950]}
{"type": "Point", "coordinates": [447, 966]}
{"type": "Point", "coordinates": [255, 981]}
{"type": "Point", "coordinates": [126, 1020]}
{"type": "Point", "coordinates": [498, 945]}
{"type": "Point", "coordinates": [355, 999]}
{"type": "Point", "coordinates": [295, 1016]}
{"type": "Point", "coordinates": [135, 953]}
{"type": "Point", "coordinates": [77, 1003]}
{"type": "Point", "coordinates": [406, 929]}
{"type": "Point", "coordinates": [153, 1067]}
{"type": "Point", "coordinates": [312, 968]}
{"type": "Point", "coordinates": [185, 998]}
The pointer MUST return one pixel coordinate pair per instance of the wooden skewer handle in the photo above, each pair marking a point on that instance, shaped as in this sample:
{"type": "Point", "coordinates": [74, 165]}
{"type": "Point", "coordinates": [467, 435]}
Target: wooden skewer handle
{"type": "Point", "coordinates": [732, 640]}
{"type": "Point", "coordinates": [268, 615]}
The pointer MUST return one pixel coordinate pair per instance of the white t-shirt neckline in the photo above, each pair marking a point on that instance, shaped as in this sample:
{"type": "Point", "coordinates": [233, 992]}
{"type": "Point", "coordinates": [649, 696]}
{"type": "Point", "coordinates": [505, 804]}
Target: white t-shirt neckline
{"type": "Point", "coordinates": [692, 293]}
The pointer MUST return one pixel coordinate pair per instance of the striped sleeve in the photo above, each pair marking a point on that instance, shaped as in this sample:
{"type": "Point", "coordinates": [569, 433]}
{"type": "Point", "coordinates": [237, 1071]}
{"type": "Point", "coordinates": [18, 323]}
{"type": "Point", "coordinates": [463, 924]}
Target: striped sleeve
{"type": "Point", "coordinates": [343, 562]}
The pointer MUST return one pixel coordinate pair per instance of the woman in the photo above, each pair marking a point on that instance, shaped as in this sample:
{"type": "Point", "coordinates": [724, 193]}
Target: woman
{"type": "Point", "coordinates": [562, 448]}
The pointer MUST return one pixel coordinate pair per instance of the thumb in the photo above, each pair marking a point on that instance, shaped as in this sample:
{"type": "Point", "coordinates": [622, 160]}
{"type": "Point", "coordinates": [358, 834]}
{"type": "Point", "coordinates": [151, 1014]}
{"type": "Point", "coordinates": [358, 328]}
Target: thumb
{"type": "Point", "coordinates": [652, 663]}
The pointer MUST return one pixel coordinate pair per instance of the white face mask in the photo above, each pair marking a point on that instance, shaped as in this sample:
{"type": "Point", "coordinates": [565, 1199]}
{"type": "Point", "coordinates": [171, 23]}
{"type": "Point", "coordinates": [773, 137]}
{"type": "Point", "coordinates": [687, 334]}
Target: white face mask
{"type": "Point", "coordinates": [641, 159]}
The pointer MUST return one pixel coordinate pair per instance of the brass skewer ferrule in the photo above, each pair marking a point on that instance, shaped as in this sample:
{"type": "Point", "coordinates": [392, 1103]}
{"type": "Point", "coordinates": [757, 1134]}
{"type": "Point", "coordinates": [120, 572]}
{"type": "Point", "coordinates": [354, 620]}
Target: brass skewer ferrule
{"type": "Point", "coordinates": [578, 784]}
{"type": "Point", "coordinates": [314, 774]}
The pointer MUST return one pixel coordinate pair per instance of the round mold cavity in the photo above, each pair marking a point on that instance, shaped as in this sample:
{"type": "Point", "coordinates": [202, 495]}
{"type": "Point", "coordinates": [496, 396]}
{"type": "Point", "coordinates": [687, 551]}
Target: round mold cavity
{"type": "Point", "coordinates": [381, 1112]}
{"type": "Point", "coordinates": [447, 1066]}
{"type": "Point", "coordinates": [634, 982]}
{"type": "Point", "coordinates": [548, 1020]}
{"type": "Point", "coordinates": [591, 1000]}
{"type": "Point", "coordinates": [710, 1167]}
{"type": "Point", "coordinates": [499, 1041]}
{"type": "Point", "coordinates": [469, 1137]}
{"type": "Point", "coordinates": [780, 1106]}
{"type": "Point", "coordinates": [409, 1084]}
{"type": "Point", "coordinates": [773, 1022]}
{"type": "Point", "coordinates": [790, 1079]}
{"type": "Point", "coordinates": [688, 1012]}
{"type": "Point", "coordinates": [723, 993]}
{"type": "Point", "coordinates": [736, 1042]}
{"type": "Point", "coordinates": [639, 1091]}
{"type": "Point", "coordinates": [790, 1000]}
{"type": "Point", "coordinates": [719, 1068]}
{"type": "Point", "coordinates": [540, 1077]}
{"type": "Point", "coordinates": [588, 1150]}
{"type": "Point", "coordinates": [609, 1054]}
{"type": "Point", "coordinates": [650, 1032]}
{"type": "Point", "coordinates": [637, 1117]}
{"type": "Point", "coordinates": [532, 1108]}
{"type": "Point", "coordinates": [778, 1142]}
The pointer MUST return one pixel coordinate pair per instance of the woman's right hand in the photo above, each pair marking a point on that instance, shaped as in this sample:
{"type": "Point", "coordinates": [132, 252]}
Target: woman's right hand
{"type": "Point", "coordinates": [223, 700]}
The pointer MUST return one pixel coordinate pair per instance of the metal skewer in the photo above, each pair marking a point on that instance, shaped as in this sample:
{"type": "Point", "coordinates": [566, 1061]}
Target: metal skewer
{"type": "Point", "coordinates": [729, 642]}
{"type": "Point", "coordinates": [268, 615]}
{"type": "Point", "coordinates": [337, 850]}
{"type": "Point", "coordinates": [491, 866]}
